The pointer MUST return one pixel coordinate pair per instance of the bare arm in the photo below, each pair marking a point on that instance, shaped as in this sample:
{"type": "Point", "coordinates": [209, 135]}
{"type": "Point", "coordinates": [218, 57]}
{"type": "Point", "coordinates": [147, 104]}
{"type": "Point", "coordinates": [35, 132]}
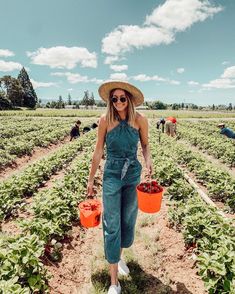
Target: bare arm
{"type": "Point", "coordinates": [97, 155]}
{"type": "Point", "coordinates": [143, 124]}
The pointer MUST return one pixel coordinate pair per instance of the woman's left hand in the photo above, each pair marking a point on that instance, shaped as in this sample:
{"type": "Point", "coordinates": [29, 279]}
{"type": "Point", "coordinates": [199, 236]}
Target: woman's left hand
{"type": "Point", "coordinates": [149, 166]}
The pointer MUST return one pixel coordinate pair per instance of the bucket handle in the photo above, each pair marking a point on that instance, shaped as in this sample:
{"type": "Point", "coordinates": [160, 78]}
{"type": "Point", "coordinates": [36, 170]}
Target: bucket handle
{"type": "Point", "coordinates": [93, 196]}
{"type": "Point", "coordinates": [149, 179]}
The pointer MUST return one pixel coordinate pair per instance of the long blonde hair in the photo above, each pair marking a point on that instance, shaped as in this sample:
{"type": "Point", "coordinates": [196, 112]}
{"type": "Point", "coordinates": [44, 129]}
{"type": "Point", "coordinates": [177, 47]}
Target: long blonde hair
{"type": "Point", "coordinates": [112, 114]}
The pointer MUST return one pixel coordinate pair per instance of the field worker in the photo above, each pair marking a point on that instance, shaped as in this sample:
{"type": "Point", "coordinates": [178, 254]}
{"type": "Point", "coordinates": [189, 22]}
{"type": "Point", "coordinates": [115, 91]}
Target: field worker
{"type": "Point", "coordinates": [171, 126]}
{"type": "Point", "coordinates": [86, 129]}
{"type": "Point", "coordinates": [89, 128]}
{"type": "Point", "coordinates": [75, 131]}
{"type": "Point", "coordinates": [160, 122]}
{"type": "Point", "coordinates": [226, 131]}
{"type": "Point", "coordinates": [120, 129]}
{"type": "Point", "coordinates": [94, 125]}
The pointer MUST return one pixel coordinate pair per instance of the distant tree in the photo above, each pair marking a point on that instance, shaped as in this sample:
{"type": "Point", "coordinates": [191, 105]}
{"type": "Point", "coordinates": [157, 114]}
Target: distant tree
{"type": "Point", "coordinates": [4, 102]}
{"type": "Point", "coordinates": [230, 106]}
{"type": "Point", "coordinates": [100, 103]}
{"type": "Point", "coordinates": [92, 99]}
{"type": "Point", "coordinates": [29, 97]}
{"type": "Point", "coordinates": [146, 103]}
{"type": "Point", "coordinates": [12, 89]}
{"type": "Point", "coordinates": [158, 105]}
{"type": "Point", "coordinates": [69, 99]}
{"type": "Point", "coordinates": [213, 106]}
{"type": "Point", "coordinates": [182, 105]}
{"type": "Point", "coordinates": [194, 106]}
{"type": "Point", "coordinates": [85, 100]}
{"type": "Point", "coordinates": [60, 103]}
{"type": "Point", "coordinates": [175, 106]}
{"type": "Point", "coordinates": [76, 103]}
{"type": "Point", "coordinates": [39, 104]}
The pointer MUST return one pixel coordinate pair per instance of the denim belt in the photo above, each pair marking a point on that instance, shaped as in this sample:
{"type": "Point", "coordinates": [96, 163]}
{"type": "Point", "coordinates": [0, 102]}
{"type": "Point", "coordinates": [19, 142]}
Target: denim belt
{"type": "Point", "coordinates": [127, 162]}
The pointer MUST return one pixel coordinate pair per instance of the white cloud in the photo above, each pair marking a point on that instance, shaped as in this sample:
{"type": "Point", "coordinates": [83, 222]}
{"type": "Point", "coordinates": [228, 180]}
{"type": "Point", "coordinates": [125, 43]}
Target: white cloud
{"type": "Point", "coordinates": [220, 84]}
{"type": "Point", "coordinates": [173, 82]}
{"type": "Point", "coordinates": [159, 28]}
{"type": "Point", "coordinates": [63, 57]}
{"type": "Point", "coordinates": [178, 15]}
{"type": "Point", "coordinates": [119, 67]}
{"type": "Point", "coordinates": [180, 70]}
{"type": "Point", "coordinates": [124, 38]}
{"type": "Point", "coordinates": [42, 84]}
{"type": "Point", "coordinates": [9, 65]}
{"type": "Point", "coordinates": [229, 72]}
{"type": "Point", "coordinates": [111, 59]}
{"type": "Point", "coordinates": [6, 53]}
{"type": "Point", "coordinates": [145, 78]}
{"type": "Point", "coordinates": [119, 76]}
{"type": "Point", "coordinates": [225, 62]}
{"type": "Point", "coordinates": [192, 83]}
{"type": "Point", "coordinates": [74, 78]}
{"type": "Point", "coordinates": [225, 81]}
{"type": "Point", "coordinates": [70, 89]}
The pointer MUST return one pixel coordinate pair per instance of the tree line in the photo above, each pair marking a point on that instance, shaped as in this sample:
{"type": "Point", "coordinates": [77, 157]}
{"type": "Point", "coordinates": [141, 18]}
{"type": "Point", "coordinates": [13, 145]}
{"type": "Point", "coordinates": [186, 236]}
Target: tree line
{"type": "Point", "coordinates": [19, 92]}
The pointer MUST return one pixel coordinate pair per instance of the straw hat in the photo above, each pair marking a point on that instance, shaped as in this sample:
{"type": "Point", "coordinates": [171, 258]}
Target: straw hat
{"type": "Point", "coordinates": [106, 88]}
{"type": "Point", "coordinates": [220, 125]}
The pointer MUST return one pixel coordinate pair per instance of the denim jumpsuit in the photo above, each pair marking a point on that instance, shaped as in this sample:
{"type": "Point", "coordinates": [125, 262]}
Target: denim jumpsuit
{"type": "Point", "coordinates": [121, 176]}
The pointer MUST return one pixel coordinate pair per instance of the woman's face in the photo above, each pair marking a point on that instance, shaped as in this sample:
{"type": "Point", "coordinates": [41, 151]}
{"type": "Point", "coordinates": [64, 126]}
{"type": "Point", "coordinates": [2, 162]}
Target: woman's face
{"type": "Point", "coordinates": [119, 105]}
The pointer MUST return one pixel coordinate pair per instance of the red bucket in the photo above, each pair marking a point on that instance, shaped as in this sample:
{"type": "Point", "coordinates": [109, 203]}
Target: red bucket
{"type": "Point", "coordinates": [149, 196]}
{"type": "Point", "coordinates": [90, 213]}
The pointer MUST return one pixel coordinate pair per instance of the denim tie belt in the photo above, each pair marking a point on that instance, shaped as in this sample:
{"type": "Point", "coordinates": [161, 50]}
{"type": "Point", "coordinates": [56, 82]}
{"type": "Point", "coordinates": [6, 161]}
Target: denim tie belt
{"type": "Point", "coordinates": [127, 162]}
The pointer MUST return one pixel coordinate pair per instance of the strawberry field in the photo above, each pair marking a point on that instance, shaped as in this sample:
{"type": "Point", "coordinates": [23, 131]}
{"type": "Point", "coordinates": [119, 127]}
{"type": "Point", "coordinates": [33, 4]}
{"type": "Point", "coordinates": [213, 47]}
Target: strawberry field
{"type": "Point", "coordinates": [43, 247]}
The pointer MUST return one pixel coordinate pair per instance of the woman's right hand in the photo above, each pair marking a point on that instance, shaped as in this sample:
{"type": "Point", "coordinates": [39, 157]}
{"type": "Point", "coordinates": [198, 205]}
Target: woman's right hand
{"type": "Point", "coordinates": [90, 189]}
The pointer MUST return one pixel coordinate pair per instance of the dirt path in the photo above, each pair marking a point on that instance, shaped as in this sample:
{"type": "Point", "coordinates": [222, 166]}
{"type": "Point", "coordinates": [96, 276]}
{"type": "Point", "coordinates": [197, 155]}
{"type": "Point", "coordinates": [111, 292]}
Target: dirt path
{"type": "Point", "coordinates": [158, 260]}
{"type": "Point", "coordinates": [22, 162]}
{"type": "Point", "coordinates": [72, 275]}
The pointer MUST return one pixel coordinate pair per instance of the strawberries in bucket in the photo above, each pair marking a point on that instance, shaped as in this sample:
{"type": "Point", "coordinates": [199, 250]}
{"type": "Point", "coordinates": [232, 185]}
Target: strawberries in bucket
{"type": "Point", "coordinates": [149, 196]}
{"type": "Point", "coordinates": [90, 213]}
{"type": "Point", "coordinates": [151, 187]}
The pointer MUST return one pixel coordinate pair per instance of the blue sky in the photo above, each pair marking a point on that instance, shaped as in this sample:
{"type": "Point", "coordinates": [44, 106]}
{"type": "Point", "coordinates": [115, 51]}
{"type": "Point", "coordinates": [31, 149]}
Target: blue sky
{"type": "Point", "coordinates": [175, 50]}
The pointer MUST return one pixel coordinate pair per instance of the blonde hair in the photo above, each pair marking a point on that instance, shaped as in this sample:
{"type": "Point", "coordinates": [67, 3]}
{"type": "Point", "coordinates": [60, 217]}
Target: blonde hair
{"type": "Point", "coordinates": [112, 114]}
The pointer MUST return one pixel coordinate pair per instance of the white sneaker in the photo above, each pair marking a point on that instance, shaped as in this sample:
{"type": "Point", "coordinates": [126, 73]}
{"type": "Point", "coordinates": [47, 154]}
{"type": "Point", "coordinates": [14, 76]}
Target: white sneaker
{"type": "Point", "coordinates": [123, 268]}
{"type": "Point", "coordinates": [113, 289]}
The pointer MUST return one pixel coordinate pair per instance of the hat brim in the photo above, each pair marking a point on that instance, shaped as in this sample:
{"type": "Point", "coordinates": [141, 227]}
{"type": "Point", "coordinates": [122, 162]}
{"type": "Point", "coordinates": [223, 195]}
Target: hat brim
{"type": "Point", "coordinates": [220, 125]}
{"type": "Point", "coordinates": [107, 87]}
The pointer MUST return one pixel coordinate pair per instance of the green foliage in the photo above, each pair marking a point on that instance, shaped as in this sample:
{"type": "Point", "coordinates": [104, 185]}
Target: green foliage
{"type": "Point", "coordinates": [29, 95]}
{"type": "Point", "coordinates": [20, 264]}
{"type": "Point", "coordinates": [158, 105]}
{"type": "Point", "coordinates": [211, 236]}
{"type": "Point", "coordinates": [12, 89]}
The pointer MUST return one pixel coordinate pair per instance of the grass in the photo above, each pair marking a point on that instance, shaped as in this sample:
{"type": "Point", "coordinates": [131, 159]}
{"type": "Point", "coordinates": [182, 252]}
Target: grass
{"type": "Point", "coordinates": [97, 112]}
{"type": "Point", "coordinates": [140, 280]}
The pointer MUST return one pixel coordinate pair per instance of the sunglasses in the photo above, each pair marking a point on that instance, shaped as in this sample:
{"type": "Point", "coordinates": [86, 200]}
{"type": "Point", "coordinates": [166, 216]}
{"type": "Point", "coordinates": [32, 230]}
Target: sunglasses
{"type": "Point", "coordinates": [115, 100]}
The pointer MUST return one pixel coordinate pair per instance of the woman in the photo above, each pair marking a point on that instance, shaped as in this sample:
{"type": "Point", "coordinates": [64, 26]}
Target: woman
{"type": "Point", "coordinates": [120, 128]}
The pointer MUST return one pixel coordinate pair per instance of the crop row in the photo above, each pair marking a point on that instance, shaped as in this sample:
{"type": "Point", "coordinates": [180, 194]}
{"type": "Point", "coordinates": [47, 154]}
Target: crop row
{"type": "Point", "coordinates": [211, 237]}
{"type": "Point", "coordinates": [207, 140]}
{"type": "Point", "coordinates": [21, 267]}
{"type": "Point", "coordinates": [17, 146]}
{"type": "Point", "coordinates": [220, 185]}
{"type": "Point", "coordinates": [25, 184]}
{"type": "Point", "coordinates": [20, 127]}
